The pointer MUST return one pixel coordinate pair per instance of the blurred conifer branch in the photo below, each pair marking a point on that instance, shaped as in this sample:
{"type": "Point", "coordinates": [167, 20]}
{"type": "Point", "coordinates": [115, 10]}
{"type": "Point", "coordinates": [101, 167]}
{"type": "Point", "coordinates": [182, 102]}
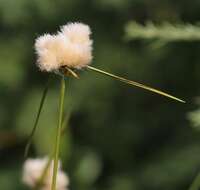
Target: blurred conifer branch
{"type": "Point", "coordinates": [194, 116]}
{"type": "Point", "coordinates": [164, 32]}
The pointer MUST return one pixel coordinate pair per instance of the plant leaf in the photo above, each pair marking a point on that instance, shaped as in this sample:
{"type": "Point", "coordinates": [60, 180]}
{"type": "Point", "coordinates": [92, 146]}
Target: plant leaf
{"type": "Point", "coordinates": [196, 183]}
{"type": "Point", "coordinates": [133, 83]}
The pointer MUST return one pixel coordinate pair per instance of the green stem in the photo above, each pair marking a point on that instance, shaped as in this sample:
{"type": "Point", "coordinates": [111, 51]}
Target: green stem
{"type": "Point", "coordinates": [46, 169]}
{"type": "Point", "coordinates": [58, 135]}
{"type": "Point", "coordinates": [37, 119]}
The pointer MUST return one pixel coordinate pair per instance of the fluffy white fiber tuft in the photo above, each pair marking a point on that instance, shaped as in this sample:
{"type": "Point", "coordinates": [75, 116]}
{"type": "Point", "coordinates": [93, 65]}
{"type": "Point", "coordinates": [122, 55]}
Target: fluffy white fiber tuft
{"type": "Point", "coordinates": [33, 169]}
{"type": "Point", "coordinates": [72, 47]}
{"type": "Point", "coordinates": [77, 32]}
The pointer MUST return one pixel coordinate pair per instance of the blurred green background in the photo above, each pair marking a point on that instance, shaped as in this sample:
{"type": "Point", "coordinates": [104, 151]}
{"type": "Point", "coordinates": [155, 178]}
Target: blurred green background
{"type": "Point", "coordinates": [118, 138]}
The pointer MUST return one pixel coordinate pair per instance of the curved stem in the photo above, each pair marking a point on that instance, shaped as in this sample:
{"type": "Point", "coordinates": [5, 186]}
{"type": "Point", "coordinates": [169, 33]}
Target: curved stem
{"type": "Point", "coordinates": [58, 135]}
{"type": "Point", "coordinates": [37, 119]}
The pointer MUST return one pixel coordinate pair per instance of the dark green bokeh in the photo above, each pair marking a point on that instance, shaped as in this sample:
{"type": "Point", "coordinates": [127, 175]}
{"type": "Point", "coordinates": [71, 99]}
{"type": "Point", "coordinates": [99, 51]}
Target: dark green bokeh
{"type": "Point", "coordinates": [119, 138]}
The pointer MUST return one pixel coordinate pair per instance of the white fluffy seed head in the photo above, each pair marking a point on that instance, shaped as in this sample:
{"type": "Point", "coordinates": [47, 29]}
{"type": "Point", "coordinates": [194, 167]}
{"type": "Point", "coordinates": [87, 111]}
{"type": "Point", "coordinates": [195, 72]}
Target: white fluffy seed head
{"type": "Point", "coordinates": [77, 32]}
{"type": "Point", "coordinates": [49, 49]}
{"type": "Point", "coordinates": [72, 47]}
{"type": "Point", "coordinates": [77, 55]}
{"type": "Point", "coordinates": [33, 169]}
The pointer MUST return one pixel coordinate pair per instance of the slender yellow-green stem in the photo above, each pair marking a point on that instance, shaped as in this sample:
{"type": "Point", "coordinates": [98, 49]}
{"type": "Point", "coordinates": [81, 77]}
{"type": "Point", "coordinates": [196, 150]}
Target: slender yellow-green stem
{"type": "Point", "coordinates": [44, 173]}
{"type": "Point", "coordinates": [37, 119]}
{"type": "Point", "coordinates": [196, 183]}
{"type": "Point", "coordinates": [133, 83]}
{"type": "Point", "coordinates": [58, 135]}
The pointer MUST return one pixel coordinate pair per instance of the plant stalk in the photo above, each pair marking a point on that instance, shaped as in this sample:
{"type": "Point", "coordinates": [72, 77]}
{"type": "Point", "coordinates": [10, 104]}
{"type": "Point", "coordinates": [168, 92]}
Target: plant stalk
{"type": "Point", "coordinates": [44, 94]}
{"type": "Point", "coordinates": [46, 169]}
{"type": "Point", "coordinates": [58, 135]}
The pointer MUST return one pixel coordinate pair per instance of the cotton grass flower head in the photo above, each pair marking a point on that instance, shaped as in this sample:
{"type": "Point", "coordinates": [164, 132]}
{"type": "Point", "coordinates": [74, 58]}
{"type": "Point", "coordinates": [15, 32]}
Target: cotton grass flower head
{"type": "Point", "coordinates": [71, 47]}
{"type": "Point", "coordinates": [33, 170]}
{"type": "Point", "coordinates": [77, 32]}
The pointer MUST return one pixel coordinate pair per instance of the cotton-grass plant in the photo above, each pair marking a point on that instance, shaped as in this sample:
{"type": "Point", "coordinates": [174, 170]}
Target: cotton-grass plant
{"type": "Point", "coordinates": [37, 174]}
{"type": "Point", "coordinates": [66, 53]}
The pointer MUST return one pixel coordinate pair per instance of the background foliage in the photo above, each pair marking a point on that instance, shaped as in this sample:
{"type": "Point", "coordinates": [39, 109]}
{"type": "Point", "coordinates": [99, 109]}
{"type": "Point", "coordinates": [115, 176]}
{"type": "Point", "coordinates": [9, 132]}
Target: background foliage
{"type": "Point", "coordinates": [118, 138]}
